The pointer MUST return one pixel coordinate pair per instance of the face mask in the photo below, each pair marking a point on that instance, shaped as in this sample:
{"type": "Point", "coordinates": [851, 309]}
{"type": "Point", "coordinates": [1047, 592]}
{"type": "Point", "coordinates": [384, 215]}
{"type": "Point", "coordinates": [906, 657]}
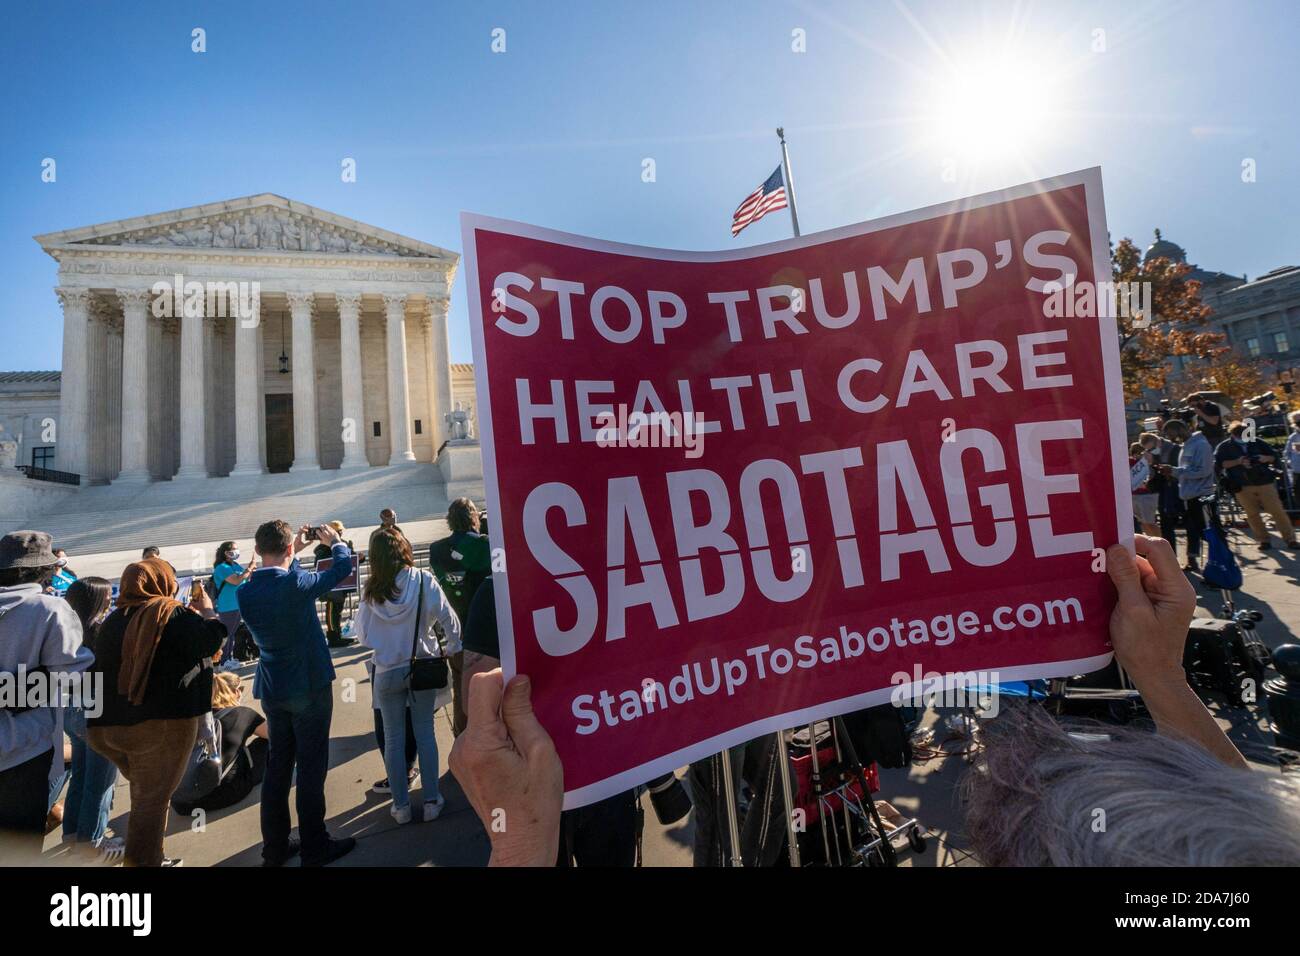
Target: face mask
{"type": "Point", "coordinates": [62, 562]}
{"type": "Point", "coordinates": [233, 556]}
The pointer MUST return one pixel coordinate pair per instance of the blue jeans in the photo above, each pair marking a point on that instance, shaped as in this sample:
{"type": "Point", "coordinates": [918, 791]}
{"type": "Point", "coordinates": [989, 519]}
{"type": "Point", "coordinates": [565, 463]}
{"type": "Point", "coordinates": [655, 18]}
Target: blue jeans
{"type": "Point", "coordinates": [393, 699]}
{"type": "Point", "coordinates": [90, 790]}
{"type": "Point", "coordinates": [298, 729]}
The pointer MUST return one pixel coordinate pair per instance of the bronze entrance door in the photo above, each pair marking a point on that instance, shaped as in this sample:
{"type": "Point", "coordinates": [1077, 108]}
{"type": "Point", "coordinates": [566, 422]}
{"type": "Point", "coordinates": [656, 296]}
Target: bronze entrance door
{"type": "Point", "coordinates": [279, 432]}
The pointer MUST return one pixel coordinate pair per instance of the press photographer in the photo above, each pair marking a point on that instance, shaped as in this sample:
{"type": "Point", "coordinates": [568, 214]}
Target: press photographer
{"type": "Point", "coordinates": [1246, 469]}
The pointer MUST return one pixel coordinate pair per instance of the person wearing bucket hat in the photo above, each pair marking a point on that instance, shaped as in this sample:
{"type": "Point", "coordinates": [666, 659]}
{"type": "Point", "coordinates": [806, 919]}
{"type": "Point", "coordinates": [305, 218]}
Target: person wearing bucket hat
{"type": "Point", "coordinates": [41, 635]}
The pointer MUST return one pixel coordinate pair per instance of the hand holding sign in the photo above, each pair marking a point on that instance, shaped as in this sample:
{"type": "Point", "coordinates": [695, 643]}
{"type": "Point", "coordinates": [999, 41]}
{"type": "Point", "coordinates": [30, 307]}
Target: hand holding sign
{"type": "Point", "coordinates": [507, 765]}
{"type": "Point", "coordinates": [907, 461]}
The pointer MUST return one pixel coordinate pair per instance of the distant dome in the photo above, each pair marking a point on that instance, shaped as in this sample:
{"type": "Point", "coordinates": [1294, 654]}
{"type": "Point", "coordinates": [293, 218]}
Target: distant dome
{"type": "Point", "coordinates": [1164, 249]}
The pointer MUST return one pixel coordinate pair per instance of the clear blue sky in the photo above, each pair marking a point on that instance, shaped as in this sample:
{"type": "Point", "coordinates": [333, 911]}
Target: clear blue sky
{"type": "Point", "coordinates": [886, 98]}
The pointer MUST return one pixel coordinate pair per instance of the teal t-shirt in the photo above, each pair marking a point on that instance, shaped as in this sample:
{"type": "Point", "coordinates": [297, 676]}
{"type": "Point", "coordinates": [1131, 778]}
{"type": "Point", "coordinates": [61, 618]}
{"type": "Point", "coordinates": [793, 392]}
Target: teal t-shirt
{"type": "Point", "coordinates": [226, 600]}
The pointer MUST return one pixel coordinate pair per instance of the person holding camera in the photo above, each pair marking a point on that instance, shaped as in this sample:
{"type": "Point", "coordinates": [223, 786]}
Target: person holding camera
{"type": "Point", "coordinates": [294, 681]}
{"type": "Point", "coordinates": [335, 601]}
{"type": "Point", "coordinates": [399, 616]}
{"type": "Point", "coordinates": [1194, 474]}
{"type": "Point", "coordinates": [227, 575]}
{"type": "Point", "coordinates": [1247, 470]}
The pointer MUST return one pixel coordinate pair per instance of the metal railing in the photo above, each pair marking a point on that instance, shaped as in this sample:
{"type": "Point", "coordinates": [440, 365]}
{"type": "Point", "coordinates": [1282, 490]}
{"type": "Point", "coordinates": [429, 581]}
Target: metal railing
{"type": "Point", "coordinates": [49, 474]}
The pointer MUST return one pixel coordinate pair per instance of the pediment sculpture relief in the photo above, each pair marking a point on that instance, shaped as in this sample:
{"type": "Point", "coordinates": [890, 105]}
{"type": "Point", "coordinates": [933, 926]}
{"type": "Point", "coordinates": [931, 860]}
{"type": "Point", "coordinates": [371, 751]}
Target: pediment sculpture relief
{"type": "Point", "coordinates": [265, 230]}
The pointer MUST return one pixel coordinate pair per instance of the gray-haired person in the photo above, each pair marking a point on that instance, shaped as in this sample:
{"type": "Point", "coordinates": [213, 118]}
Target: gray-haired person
{"type": "Point", "coordinates": [1183, 796]}
{"type": "Point", "coordinates": [39, 634]}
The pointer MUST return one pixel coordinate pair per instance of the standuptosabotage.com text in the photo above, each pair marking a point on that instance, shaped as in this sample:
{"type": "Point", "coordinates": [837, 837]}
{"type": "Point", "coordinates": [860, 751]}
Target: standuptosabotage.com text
{"type": "Point", "coordinates": [759, 663]}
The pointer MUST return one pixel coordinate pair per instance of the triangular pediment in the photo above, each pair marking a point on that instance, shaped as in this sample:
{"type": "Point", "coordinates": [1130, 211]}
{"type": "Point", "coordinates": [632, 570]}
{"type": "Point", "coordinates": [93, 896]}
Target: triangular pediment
{"type": "Point", "coordinates": [261, 223]}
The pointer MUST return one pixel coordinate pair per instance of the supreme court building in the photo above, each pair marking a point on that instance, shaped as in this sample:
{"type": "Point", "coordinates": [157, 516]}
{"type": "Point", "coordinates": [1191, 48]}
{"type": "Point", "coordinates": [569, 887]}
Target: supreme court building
{"type": "Point", "coordinates": [250, 336]}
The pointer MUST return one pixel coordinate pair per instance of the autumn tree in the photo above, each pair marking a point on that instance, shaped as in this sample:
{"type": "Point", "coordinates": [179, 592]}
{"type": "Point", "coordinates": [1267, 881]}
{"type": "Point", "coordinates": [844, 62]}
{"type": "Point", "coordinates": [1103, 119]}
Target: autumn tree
{"type": "Point", "coordinates": [1228, 373]}
{"type": "Point", "coordinates": [1179, 325]}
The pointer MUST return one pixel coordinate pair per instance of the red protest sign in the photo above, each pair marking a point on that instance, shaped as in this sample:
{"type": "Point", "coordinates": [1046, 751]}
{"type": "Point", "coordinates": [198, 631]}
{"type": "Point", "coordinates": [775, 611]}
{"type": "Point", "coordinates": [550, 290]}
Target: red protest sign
{"type": "Point", "coordinates": [736, 491]}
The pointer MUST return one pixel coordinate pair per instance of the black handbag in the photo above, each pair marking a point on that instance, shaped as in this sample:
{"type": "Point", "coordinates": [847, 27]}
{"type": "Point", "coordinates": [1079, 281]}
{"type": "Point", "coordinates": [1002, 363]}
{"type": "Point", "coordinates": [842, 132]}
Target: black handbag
{"type": "Point", "coordinates": [427, 673]}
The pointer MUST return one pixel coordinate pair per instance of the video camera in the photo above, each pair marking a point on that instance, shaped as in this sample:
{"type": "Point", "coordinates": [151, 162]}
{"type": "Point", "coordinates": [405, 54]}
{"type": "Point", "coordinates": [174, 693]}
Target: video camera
{"type": "Point", "coordinates": [1173, 411]}
{"type": "Point", "coordinates": [1261, 404]}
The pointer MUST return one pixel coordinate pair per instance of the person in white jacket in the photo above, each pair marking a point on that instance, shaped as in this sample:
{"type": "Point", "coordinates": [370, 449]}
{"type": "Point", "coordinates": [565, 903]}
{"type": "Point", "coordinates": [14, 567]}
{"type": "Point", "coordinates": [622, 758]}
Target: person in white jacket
{"type": "Point", "coordinates": [386, 622]}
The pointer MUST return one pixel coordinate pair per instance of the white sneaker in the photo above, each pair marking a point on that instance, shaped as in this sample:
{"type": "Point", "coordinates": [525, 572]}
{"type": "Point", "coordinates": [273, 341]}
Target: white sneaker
{"type": "Point", "coordinates": [432, 808]}
{"type": "Point", "coordinates": [111, 851]}
{"type": "Point", "coordinates": [401, 814]}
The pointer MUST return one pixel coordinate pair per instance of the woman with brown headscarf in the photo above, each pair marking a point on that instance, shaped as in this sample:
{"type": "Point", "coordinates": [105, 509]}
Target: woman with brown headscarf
{"type": "Point", "coordinates": [155, 658]}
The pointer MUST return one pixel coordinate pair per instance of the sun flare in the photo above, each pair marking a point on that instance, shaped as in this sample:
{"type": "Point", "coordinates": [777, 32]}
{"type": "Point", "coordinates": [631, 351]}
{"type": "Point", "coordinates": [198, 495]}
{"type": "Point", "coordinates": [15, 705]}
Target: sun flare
{"type": "Point", "coordinates": [990, 109]}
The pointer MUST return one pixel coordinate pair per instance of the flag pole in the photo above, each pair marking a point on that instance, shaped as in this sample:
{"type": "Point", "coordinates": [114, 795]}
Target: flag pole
{"type": "Point", "coordinates": [789, 181]}
{"type": "Point", "coordinates": [782, 754]}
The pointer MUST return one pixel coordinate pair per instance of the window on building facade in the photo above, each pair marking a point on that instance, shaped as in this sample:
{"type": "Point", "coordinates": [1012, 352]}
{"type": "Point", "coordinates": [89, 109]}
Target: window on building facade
{"type": "Point", "coordinates": [1280, 342]}
{"type": "Point", "coordinates": [419, 427]}
{"type": "Point", "coordinates": [377, 434]}
{"type": "Point", "coordinates": [1252, 346]}
{"type": "Point", "coordinates": [43, 457]}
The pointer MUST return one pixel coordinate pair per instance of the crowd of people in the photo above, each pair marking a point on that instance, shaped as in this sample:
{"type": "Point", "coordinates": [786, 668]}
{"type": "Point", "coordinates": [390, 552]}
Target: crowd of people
{"type": "Point", "coordinates": [157, 701]}
{"type": "Point", "coordinates": [1177, 471]}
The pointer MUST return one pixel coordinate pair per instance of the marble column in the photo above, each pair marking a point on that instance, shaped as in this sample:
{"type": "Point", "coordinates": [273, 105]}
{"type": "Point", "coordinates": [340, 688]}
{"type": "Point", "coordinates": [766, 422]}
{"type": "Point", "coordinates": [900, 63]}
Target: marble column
{"type": "Point", "coordinates": [71, 436]}
{"type": "Point", "coordinates": [437, 427]}
{"type": "Point", "coordinates": [248, 398]}
{"type": "Point", "coordinates": [164, 396]}
{"type": "Point", "coordinates": [97, 395]}
{"type": "Point", "coordinates": [193, 400]}
{"type": "Point", "coordinates": [399, 404]}
{"type": "Point", "coordinates": [135, 385]}
{"type": "Point", "coordinates": [305, 457]}
{"type": "Point", "coordinates": [113, 410]}
{"type": "Point", "coordinates": [354, 434]}
{"type": "Point", "coordinates": [440, 402]}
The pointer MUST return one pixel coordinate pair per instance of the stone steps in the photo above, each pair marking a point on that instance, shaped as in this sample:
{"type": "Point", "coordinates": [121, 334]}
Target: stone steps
{"type": "Point", "coordinates": [123, 517]}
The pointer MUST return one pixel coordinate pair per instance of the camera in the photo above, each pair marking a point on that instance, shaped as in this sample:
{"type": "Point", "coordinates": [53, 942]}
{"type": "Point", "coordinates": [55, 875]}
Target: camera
{"type": "Point", "coordinates": [669, 798]}
{"type": "Point", "coordinates": [1173, 411]}
{"type": "Point", "coordinates": [1262, 404]}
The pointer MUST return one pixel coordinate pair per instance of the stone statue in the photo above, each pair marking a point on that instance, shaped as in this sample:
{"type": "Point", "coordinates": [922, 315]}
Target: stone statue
{"type": "Point", "coordinates": [459, 424]}
{"type": "Point", "coordinates": [200, 235]}
{"type": "Point", "coordinates": [270, 234]}
{"type": "Point", "coordinates": [333, 242]}
{"type": "Point", "coordinates": [8, 454]}
{"type": "Point", "coordinates": [292, 233]}
{"type": "Point", "coordinates": [247, 237]}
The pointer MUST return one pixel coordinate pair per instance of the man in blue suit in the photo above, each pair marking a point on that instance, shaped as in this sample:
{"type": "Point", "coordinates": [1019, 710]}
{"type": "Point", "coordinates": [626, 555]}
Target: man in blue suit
{"type": "Point", "coordinates": [294, 682]}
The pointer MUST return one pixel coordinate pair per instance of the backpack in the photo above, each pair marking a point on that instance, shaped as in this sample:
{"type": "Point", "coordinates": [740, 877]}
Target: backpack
{"type": "Point", "coordinates": [458, 583]}
{"type": "Point", "coordinates": [245, 647]}
{"type": "Point", "coordinates": [203, 770]}
{"type": "Point", "coordinates": [213, 588]}
{"type": "Point", "coordinates": [1221, 570]}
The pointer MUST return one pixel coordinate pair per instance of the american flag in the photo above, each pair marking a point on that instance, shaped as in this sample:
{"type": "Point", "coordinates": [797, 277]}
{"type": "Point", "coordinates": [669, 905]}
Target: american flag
{"type": "Point", "coordinates": [764, 199]}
